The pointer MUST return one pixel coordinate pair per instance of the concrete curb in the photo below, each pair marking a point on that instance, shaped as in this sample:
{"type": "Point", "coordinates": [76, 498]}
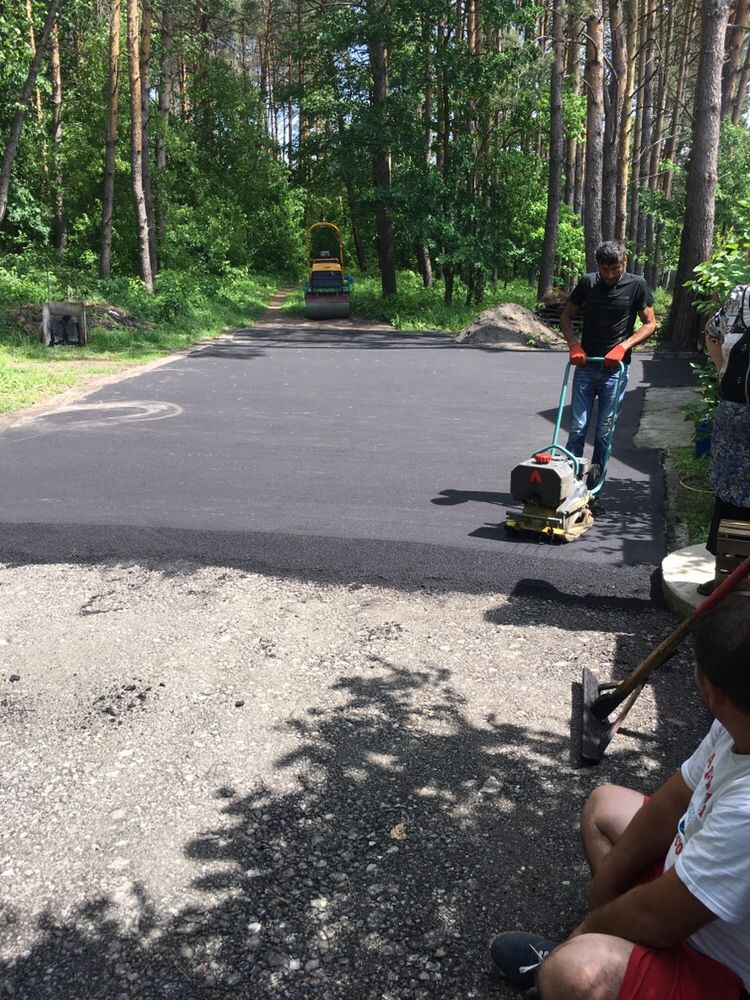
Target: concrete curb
{"type": "Point", "coordinates": [681, 572]}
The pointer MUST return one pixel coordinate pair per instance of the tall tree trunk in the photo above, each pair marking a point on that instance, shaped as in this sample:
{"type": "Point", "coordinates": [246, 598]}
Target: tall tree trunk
{"type": "Point", "coordinates": [184, 95]}
{"type": "Point", "coordinates": [359, 247]}
{"type": "Point", "coordinates": [37, 92]}
{"type": "Point", "coordinates": [136, 145]}
{"type": "Point", "coordinates": [654, 233]}
{"type": "Point", "coordinates": [442, 157]}
{"type": "Point", "coordinates": [647, 134]}
{"type": "Point", "coordinates": [113, 100]}
{"type": "Point", "coordinates": [738, 105]}
{"type": "Point", "coordinates": [60, 234]}
{"type": "Point", "coordinates": [572, 71]}
{"type": "Point", "coordinates": [676, 121]}
{"type": "Point", "coordinates": [556, 154]}
{"type": "Point", "coordinates": [613, 118]}
{"type": "Point", "coordinates": [594, 78]}
{"type": "Point", "coordinates": [734, 41]}
{"type": "Point", "coordinates": [166, 106]}
{"type": "Point", "coordinates": [700, 187]}
{"type": "Point", "coordinates": [635, 172]}
{"type": "Point", "coordinates": [145, 71]}
{"type": "Point", "coordinates": [14, 136]}
{"type": "Point", "coordinates": [626, 123]}
{"type": "Point", "coordinates": [423, 252]}
{"type": "Point", "coordinates": [580, 173]}
{"type": "Point", "coordinates": [381, 153]}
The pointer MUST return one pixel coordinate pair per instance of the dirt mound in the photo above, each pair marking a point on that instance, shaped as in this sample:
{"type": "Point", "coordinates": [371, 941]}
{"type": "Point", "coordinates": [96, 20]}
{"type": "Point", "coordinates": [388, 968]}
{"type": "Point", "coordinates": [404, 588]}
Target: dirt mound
{"type": "Point", "coordinates": [512, 327]}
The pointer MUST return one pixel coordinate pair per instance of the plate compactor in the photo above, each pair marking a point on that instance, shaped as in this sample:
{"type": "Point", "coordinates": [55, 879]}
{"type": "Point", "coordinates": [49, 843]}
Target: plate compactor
{"type": "Point", "coordinates": [555, 487]}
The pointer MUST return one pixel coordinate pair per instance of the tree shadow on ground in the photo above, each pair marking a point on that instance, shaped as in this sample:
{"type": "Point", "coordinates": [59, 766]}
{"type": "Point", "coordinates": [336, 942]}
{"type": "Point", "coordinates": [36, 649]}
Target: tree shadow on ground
{"type": "Point", "coordinates": [639, 627]}
{"type": "Point", "coordinates": [403, 830]}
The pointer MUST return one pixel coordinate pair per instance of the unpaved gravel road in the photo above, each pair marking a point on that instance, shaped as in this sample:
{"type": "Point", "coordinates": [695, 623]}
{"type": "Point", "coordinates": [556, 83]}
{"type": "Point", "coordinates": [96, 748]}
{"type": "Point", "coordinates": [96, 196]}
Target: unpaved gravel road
{"type": "Point", "coordinates": [221, 784]}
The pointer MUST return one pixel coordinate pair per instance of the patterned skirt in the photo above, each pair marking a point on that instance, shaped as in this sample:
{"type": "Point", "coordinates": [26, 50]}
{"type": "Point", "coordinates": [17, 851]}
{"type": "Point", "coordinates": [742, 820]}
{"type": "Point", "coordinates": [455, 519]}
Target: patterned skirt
{"type": "Point", "coordinates": [730, 453]}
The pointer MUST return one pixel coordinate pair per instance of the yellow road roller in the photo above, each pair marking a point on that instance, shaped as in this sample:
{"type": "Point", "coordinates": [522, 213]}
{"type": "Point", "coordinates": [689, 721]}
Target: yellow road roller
{"type": "Point", "coordinates": [327, 288]}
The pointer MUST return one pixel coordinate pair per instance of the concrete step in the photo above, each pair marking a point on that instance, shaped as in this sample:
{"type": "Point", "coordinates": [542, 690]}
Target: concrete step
{"type": "Point", "coordinates": [681, 572]}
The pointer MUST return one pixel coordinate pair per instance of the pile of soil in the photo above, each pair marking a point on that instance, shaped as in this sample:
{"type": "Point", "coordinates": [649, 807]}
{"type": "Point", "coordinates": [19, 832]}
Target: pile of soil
{"type": "Point", "coordinates": [511, 327]}
{"type": "Point", "coordinates": [28, 319]}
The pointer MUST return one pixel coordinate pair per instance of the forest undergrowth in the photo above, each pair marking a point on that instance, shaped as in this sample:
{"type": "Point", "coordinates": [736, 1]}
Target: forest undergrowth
{"type": "Point", "coordinates": [186, 307]}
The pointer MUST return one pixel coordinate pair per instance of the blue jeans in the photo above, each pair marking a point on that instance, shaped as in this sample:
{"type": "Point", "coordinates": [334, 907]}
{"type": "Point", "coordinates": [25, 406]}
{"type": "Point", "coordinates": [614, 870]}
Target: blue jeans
{"type": "Point", "coordinates": [593, 382]}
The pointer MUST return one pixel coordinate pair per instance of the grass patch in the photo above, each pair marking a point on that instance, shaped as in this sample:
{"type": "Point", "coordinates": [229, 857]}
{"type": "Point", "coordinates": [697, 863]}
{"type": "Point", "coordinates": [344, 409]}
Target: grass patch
{"type": "Point", "coordinates": [695, 498]}
{"type": "Point", "coordinates": [185, 308]}
{"type": "Point", "coordinates": [415, 307]}
{"type": "Point", "coordinates": [23, 385]}
{"type": "Point", "coordinates": [294, 303]}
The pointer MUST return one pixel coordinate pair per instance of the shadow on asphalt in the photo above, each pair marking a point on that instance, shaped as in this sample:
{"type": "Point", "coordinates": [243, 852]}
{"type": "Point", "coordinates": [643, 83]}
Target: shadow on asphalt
{"type": "Point", "coordinates": [450, 498]}
{"type": "Point", "coordinates": [381, 873]}
{"type": "Point", "coordinates": [399, 564]}
{"type": "Point", "coordinates": [624, 530]}
{"type": "Point", "coordinates": [298, 337]}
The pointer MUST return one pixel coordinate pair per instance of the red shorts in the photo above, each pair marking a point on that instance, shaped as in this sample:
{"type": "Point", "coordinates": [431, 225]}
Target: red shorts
{"type": "Point", "coordinates": [679, 973]}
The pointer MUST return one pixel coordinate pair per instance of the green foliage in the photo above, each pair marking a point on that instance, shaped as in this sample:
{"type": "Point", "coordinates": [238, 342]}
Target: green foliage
{"type": "Point", "coordinates": [225, 199]}
{"type": "Point", "coordinates": [728, 265]}
{"type": "Point", "coordinates": [418, 308]}
{"type": "Point", "coordinates": [733, 170]}
{"type": "Point", "coordinates": [185, 306]}
{"type": "Point", "coordinates": [702, 411]}
{"type": "Point", "coordinates": [574, 114]}
{"type": "Point", "coordinates": [662, 301]}
{"type": "Point", "coordinates": [695, 497]}
{"type": "Point", "coordinates": [668, 215]}
{"type": "Point", "coordinates": [570, 256]}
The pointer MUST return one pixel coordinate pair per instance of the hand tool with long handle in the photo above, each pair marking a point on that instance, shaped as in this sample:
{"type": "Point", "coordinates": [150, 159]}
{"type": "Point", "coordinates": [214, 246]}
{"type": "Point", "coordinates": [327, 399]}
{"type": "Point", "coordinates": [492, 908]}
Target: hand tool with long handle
{"type": "Point", "coordinates": [600, 700]}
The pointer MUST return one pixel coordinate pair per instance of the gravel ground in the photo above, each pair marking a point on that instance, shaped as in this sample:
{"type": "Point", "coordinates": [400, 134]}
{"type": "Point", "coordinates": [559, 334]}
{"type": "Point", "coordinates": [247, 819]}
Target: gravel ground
{"type": "Point", "coordinates": [221, 784]}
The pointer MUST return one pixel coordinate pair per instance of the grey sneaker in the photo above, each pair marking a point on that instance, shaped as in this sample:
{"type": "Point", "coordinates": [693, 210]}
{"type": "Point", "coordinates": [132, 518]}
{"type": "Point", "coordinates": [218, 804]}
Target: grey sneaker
{"type": "Point", "coordinates": [516, 956]}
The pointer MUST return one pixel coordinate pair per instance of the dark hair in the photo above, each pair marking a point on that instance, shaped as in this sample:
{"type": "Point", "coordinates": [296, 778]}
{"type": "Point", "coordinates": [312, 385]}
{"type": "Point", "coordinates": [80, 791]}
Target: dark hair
{"type": "Point", "coordinates": [722, 652]}
{"type": "Point", "coordinates": [610, 253]}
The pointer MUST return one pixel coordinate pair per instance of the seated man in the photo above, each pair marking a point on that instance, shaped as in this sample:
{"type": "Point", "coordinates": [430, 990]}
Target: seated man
{"type": "Point", "coordinates": [669, 900]}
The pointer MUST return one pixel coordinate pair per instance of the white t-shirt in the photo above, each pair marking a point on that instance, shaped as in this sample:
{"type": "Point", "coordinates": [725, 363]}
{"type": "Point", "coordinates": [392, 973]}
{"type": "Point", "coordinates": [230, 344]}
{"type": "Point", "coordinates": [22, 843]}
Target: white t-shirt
{"type": "Point", "coordinates": [711, 852]}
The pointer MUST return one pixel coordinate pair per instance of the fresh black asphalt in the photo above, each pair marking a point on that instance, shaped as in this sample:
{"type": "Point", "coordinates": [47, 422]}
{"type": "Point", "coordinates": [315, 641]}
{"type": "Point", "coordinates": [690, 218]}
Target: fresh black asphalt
{"type": "Point", "coordinates": [351, 454]}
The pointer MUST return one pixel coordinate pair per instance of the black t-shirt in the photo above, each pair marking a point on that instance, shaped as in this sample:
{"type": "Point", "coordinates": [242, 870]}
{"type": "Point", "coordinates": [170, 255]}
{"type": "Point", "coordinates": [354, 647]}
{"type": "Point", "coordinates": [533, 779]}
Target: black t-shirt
{"type": "Point", "coordinates": [611, 310]}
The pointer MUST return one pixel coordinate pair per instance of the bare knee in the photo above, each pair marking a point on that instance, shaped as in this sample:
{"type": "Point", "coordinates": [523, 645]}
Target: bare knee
{"type": "Point", "coordinates": [601, 803]}
{"type": "Point", "coordinates": [605, 815]}
{"type": "Point", "coordinates": [590, 967]}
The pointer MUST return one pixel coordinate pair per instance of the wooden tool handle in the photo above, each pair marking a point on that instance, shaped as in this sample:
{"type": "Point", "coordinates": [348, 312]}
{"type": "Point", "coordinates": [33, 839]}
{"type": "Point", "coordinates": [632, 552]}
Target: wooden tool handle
{"type": "Point", "coordinates": [665, 648]}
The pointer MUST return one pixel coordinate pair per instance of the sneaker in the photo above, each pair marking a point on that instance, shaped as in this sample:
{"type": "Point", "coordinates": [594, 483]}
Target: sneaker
{"type": "Point", "coordinates": [516, 956]}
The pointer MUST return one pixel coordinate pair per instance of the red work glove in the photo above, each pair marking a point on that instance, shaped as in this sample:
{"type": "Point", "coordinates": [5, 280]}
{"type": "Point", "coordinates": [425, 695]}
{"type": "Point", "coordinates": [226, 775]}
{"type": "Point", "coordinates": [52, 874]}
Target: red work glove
{"type": "Point", "coordinates": [612, 357]}
{"type": "Point", "coordinates": [577, 355]}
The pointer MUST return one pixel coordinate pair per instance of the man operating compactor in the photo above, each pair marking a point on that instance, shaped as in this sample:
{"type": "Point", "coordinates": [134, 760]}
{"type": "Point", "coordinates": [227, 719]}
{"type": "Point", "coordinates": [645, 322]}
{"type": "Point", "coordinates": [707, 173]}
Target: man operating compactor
{"type": "Point", "coordinates": [612, 299]}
